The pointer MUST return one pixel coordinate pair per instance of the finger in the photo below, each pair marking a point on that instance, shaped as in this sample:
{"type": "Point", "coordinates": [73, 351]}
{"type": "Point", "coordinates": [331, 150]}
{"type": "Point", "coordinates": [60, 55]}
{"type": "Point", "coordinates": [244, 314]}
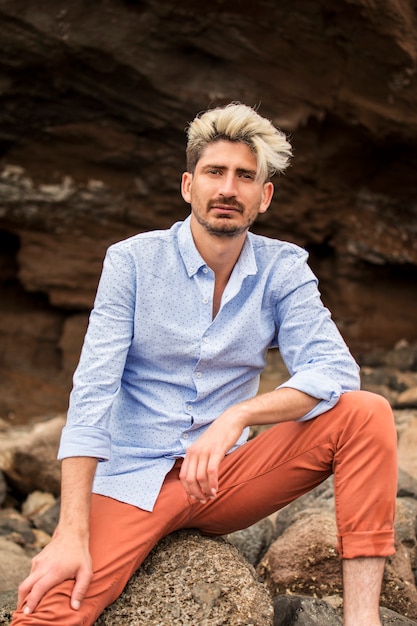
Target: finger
{"type": "Point", "coordinates": [34, 596]}
{"type": "Point", "coordinates": [81, 586]}
{"type": "Point", "coordinates": [207, 476]}
{"type": "Point", "coordinates": [188, 476]}
{"type": "Point", "coordinates": [213, 475]}
{"type": "Point", "coordinates": [23, 590]}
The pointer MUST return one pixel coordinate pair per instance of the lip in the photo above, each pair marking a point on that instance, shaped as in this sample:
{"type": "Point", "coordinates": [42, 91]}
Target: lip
{"type": "Point", "coordinates": [225, 209]}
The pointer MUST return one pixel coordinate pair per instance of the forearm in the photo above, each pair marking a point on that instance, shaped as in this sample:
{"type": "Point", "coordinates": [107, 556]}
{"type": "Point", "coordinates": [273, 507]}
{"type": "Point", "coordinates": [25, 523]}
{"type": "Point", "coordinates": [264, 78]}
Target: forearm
{"type": "Point", "coordinates": [280, 405]}
{"type": "Point", "coordinates": [199, 471]}
{"type": "Point", "coordinates": [76, 485]}
{"type": "Point", "coordinates": [67, 556]}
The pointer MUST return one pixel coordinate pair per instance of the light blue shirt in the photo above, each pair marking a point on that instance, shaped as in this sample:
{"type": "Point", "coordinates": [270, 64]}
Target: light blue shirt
{"type": "Point", "coordinates": [156, 369]}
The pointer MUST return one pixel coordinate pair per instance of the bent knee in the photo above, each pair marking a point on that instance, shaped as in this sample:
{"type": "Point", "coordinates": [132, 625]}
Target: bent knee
{"type": "Point", "coordinates": [373, 414]}
{"type": "Point", "coordinates": [368, 401]}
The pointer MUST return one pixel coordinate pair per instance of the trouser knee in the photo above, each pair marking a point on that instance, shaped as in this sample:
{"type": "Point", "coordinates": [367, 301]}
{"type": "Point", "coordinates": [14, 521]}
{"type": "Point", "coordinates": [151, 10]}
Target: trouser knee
{"type": "Point", "coordinates": [368, 430]}
{"type": "Point", "coordinates": [371, 412]}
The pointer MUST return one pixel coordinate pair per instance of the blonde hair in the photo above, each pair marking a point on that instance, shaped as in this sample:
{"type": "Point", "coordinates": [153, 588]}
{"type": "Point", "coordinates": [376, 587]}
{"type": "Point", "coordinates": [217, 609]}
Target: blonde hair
{"type": "Point", "coordinates": [239, 122]}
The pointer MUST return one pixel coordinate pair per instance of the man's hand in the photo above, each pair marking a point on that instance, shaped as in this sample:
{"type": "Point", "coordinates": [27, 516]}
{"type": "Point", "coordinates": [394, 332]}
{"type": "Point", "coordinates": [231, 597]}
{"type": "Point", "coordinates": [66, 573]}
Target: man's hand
{"type": "Point", "coordinates": [199, 471]}
{"type": "Point", "coordinates": [62, 559]}
{"type": "Point", "coordinates": [67, 556]}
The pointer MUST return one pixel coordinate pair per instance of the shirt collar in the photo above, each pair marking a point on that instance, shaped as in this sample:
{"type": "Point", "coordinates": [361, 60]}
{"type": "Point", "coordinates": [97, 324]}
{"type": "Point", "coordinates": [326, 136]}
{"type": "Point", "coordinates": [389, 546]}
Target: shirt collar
{"type": "Point", "coordinates": [246, 263]}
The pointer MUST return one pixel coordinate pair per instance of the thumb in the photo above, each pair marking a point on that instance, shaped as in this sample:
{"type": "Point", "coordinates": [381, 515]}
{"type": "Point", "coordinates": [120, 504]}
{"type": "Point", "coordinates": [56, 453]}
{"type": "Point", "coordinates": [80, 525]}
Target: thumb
{"type": "Point", "coordinates": [80, 589]}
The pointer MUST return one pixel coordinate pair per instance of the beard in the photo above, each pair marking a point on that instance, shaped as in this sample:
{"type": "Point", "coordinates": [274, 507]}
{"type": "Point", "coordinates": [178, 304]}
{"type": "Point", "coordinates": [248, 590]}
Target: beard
{"type": "Point", "coordinates": [223, 225]}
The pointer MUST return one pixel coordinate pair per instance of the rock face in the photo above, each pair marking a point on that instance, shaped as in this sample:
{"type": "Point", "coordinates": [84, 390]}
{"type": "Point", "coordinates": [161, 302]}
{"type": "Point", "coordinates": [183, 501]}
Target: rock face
{"type": "Point", "coordinates": [94, 101]}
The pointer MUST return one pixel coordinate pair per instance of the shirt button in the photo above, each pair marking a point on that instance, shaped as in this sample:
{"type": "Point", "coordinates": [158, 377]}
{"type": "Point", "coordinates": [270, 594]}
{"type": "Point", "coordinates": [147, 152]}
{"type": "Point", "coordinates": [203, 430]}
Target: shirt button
{"type": "Point", "coordinates": [205, 300]}
{"type": "Point", "coordinates": [189, 407]}
{"type": "Point", "coordinates": [205, 340]}
{"type": "Point", "coordinates": [199, 374]}
{"type": "Point", "coordinates": [205, 270]}
{"type": "Point", "coordinates": [185, 435]}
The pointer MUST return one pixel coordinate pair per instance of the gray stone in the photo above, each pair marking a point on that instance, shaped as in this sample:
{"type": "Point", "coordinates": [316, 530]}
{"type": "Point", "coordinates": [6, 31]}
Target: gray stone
{"type": "Point", "coordinates": [391, 618]}
{"type": "Point", "coordinates": [254, 541]}
{"type": "Point", "coordinates": [304, 611]}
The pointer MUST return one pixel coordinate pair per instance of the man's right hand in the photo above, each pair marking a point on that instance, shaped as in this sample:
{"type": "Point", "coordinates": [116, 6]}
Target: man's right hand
{"type": "Point", "coordinates": [67, 556]}
{"type": "Point", "coordinates": [62, 559]}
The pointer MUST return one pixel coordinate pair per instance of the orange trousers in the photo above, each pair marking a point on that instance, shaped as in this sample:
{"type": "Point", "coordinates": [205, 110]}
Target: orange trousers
{"type": "Point", "coordinates": [356, 440]}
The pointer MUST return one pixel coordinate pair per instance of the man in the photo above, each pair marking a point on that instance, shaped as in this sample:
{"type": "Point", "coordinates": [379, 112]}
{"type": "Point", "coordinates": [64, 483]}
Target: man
{"type": "Point", "coordinates": [165, 393]}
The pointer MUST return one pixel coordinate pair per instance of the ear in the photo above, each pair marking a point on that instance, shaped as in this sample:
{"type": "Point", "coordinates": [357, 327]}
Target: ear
{"type": "Point", "coordinates": [186, 181]}
{"type": "Point", "coordinates": [267, 193]}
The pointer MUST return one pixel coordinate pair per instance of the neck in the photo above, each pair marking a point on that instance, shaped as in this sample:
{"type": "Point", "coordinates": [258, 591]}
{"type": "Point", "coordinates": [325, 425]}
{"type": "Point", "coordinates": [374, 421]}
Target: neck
{"type": "Point", "coordinates": [219, 253]}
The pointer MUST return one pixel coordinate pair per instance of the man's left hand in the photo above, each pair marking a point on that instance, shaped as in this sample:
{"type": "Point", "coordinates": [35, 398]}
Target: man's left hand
{"type": "Point", "coordinates": [200, 469]}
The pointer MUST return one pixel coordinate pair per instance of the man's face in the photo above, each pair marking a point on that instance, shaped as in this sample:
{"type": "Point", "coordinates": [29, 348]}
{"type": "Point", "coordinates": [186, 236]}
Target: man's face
{"type": "Point", "coordinates": [224, 194]}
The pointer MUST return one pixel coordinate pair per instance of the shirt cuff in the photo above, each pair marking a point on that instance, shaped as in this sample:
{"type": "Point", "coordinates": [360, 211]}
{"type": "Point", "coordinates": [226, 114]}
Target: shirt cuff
{"type": "Point", "coordinates": [89, 441]}
{"type": "Point", "coordinates": [318, 386]}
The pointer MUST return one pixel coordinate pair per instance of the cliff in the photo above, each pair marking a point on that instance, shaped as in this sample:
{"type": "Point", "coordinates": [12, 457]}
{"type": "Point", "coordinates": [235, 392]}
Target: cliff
{"type": "Point", "coordinates": [94, 100]}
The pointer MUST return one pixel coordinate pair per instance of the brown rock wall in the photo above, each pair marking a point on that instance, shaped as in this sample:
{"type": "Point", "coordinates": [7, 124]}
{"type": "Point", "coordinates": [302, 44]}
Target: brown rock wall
{"type": "Point", "coordinates": [93, 105]}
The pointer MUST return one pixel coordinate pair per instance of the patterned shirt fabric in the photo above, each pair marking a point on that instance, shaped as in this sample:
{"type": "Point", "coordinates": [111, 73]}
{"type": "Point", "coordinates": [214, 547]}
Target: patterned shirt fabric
{"type": "Point", "coordinates": [156, 369]}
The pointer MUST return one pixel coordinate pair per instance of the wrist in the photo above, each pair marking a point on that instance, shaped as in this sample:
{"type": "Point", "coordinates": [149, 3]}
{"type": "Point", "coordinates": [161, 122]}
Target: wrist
{"type": "Point", "coordinates": [241, 415]}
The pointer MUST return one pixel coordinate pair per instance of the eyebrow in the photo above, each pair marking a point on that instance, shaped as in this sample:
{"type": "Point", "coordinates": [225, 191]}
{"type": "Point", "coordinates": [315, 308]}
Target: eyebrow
{"type": "Point", "coordinates": [239, 170]}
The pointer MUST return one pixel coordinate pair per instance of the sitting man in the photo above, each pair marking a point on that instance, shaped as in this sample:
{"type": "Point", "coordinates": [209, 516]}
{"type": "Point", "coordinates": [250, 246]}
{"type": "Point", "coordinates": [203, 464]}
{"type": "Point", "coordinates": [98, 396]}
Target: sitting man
{"type": "Point", "coordinates": [166, 391]}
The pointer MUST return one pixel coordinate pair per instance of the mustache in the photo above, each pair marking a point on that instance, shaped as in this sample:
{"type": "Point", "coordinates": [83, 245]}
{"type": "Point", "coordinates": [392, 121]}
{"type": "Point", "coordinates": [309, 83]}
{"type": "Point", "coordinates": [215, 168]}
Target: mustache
{"type": "Point", "coordinates": [229, 202]}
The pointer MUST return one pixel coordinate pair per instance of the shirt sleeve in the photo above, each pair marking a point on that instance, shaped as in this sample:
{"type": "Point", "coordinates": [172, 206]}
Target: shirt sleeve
{"type": "Point", "coordinates": [313, 350]}
{"type": "Point", "coordinates": [98, 376]}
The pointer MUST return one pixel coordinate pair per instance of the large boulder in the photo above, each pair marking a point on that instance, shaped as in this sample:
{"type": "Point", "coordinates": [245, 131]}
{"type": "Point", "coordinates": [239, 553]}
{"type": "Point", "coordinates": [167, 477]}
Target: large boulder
{"type": "Point", "coordinates": [304, 561]}
{"type": "Point", "coordinates": [188, 580]}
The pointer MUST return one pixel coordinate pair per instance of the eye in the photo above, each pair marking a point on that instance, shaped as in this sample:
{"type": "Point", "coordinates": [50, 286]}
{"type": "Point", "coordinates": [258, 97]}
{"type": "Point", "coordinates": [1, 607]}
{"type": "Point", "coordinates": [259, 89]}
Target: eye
{"type": "Point", "coordinates": [247, 176]}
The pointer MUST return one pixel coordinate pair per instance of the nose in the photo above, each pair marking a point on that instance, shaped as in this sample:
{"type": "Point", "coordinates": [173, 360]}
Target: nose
{"type": "Point", "coordinates": [228, 187]}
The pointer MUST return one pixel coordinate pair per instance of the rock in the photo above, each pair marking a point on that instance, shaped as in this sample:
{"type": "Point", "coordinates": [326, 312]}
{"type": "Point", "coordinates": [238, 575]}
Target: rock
{"type": "Point", "coordinates": [315, 502]}
{"type": "Point", "coordinates": [303, 611]}
{"type": "Point", "coordinates": [37, 503]}
{"type": "Point", "coordinates": [407, 399]}
{"type": "Point", "coordinates": [254, 541]}
{"type": "Point", "coordinates": [14, 566]}
{"type": "Point", "coordinates": [405, 525]}
{"type": "Point", "coordinates": [16, 527]}
{"type": "Point", "coordinates": [3, 488]}
{"type": "Point", "coordinates": [7, 606]}
{"type": "Point", "coordinates": [47, 520]}
{"type": "Point", "coordinates": [401, 381]}
{"type": "Point", "coordinates": [407, 485]}
{"type": "Point", "coordinates": [399, 591]}
{"type": "Point", "coordinates": [391, 618]}
{"type": "Point", "coordinates": [407, 441]}
{"type": "Point", "coordinates": [189, 579]}
{"type": "Point", "coordinates": [42, 509]}
{"type": "Point", "coordinates": [402, 358]}
{"type": "Point", "coordinates": [28, 456]}
{"type": "Point", "coordinates": [304, 560]}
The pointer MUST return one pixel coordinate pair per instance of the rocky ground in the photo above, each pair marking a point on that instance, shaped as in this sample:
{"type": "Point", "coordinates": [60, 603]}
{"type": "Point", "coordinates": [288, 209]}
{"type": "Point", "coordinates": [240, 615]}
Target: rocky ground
{"type": "Point", "coordinates": [282, 571]}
